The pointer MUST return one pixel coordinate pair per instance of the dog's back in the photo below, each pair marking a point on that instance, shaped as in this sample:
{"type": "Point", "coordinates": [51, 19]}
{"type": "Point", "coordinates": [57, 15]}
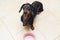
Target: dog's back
{"type": "Point", "coordinates": [38, 6]}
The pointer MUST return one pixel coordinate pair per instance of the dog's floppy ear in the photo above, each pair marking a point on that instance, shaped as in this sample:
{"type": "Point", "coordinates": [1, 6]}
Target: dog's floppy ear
{"type": "Point", "coordinates": [21, 8]}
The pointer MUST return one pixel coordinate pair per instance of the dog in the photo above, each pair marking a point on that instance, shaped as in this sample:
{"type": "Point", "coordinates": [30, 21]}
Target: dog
{"type": "Point", "coordinates": [29, 13]}
{"type": "Point", "coordinates": [38, 6]}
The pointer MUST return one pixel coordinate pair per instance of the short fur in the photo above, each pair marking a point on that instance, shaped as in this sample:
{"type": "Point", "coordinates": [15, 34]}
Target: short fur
{"type": "Point", "coordinates": [29, 13]}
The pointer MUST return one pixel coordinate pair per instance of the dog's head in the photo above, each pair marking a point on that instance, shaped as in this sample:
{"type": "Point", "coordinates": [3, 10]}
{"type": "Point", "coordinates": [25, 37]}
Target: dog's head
{"type": "Point", "coordinates": [26, 7]}
{"type": "Point", "coordinates": [38, 6]}
{"type": "Point", "coordinates": [27, 10]}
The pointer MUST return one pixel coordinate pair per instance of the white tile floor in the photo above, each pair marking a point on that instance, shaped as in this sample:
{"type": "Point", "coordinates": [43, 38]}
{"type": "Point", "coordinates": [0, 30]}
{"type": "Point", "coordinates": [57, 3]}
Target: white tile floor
{"type": "Point", "coordinates": [47, 24]}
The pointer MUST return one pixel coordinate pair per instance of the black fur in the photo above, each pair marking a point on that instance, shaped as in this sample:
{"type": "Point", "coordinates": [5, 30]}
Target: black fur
{"type": "Point", "coordinates": [38, 6]}
{"type": "Point", "coordinates": [32, 10]}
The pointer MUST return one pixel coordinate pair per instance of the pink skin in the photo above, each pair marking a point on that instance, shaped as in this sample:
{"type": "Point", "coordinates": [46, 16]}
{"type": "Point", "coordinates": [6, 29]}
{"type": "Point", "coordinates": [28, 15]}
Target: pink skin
{"type": "Point", "coordinates": [29, 34]}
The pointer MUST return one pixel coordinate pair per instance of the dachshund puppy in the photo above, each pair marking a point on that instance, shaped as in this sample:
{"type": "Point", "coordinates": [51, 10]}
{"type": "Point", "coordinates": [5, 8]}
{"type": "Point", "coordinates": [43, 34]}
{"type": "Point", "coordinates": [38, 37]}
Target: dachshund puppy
{"type": "Point", "coordinates": [28, 15]}
{"type": "Point", "coordinates": [38, 6]}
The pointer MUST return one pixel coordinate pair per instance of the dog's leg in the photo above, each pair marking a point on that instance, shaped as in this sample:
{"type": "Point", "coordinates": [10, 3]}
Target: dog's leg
{"type": "Point", "coordinates": [32, 27]}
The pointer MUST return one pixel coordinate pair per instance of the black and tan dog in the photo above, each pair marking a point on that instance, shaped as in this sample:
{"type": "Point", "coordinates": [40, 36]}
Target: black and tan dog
{"type": "Point", "coordinates": [29, 13]}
